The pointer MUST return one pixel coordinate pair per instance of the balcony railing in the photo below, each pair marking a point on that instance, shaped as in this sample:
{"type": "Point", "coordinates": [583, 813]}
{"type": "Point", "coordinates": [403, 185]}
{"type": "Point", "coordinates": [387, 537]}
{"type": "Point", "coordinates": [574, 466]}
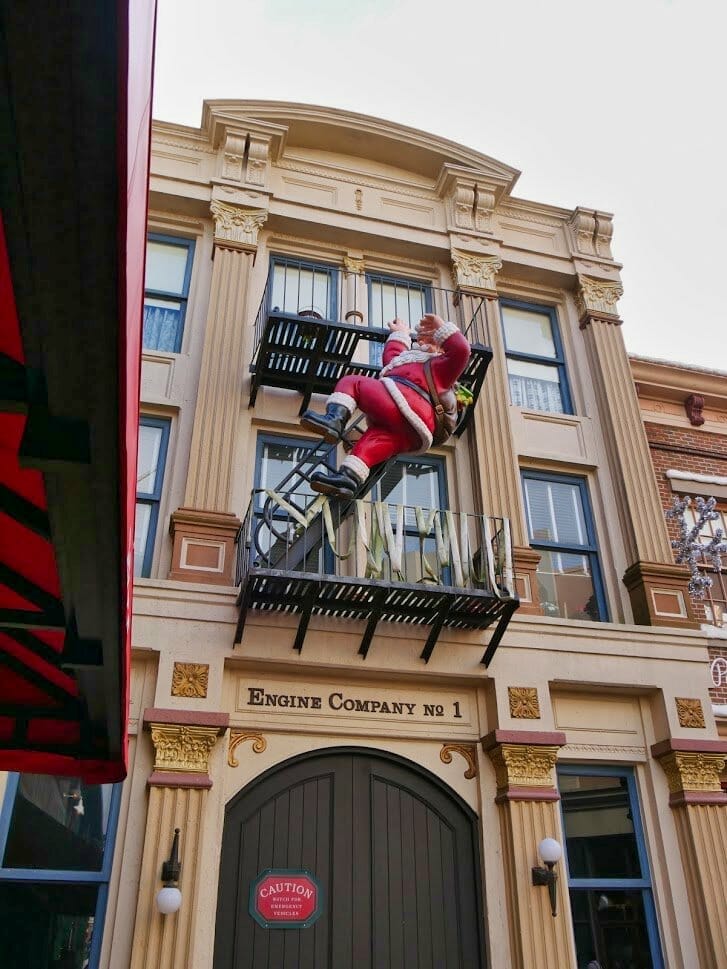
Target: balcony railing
{"type": "Point", "coordinates": [375, 561]}
{"type": "Point", "coordinates": [321, 325]}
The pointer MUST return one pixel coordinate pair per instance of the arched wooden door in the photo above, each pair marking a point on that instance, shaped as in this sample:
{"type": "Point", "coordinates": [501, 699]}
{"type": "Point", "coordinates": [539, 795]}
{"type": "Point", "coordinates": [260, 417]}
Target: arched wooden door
{"type": "Point", "coordinates": [394, 850]}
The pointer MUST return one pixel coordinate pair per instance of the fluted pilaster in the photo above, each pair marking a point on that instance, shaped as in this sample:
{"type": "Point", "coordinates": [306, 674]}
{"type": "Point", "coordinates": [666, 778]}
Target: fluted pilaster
{"type": "Point", "coordinates": [527, 800]}
{"type": "Point", "coordinates": [693, 770]}
{"type": "Point", "coordinates": [220, 386]}
{"type": "Point", "coordinates": [179, 791]}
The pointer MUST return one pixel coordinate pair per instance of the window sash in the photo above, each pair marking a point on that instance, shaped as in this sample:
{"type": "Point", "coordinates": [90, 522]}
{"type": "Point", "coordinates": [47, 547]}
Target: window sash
{"type": "Point", "coordinates": [394, 296]}
{"type": "Point", "coordinates": [151, 500]}
{"type": "Point", "coordinates": [296, 286]}
{"type": "Point", "coordinates": [533, 393]}
{"type": "Point", "coordinates": [161, 330]}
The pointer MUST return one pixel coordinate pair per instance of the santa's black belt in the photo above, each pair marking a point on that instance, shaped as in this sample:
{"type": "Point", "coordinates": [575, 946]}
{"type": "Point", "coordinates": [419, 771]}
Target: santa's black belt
{"type": "Point", "coordinates": [412, 386]}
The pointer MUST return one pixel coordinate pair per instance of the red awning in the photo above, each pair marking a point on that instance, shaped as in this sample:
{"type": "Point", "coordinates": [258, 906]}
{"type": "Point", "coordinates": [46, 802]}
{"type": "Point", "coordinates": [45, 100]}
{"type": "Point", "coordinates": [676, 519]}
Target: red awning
{"type": "Point", "coordinates": [75, 136]}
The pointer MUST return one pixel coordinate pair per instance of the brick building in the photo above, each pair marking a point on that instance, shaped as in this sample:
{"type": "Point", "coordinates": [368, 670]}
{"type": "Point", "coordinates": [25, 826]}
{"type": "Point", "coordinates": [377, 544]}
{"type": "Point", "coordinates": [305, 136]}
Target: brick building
{"type": "Point", "coordinates": [685, 416]}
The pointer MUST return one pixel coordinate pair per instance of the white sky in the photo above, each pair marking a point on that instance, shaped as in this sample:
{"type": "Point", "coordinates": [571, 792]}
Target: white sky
{"type": "Point", "coordinates": [616, 105]}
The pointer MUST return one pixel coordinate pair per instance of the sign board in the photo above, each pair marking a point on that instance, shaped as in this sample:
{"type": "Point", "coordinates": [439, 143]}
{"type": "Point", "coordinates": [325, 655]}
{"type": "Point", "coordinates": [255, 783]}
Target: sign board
{"type": "Point", "coordinates": [285, 898]}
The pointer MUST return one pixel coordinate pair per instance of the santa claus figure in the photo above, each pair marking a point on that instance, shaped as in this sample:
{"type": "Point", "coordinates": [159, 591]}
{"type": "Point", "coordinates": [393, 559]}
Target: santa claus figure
{"type": "Point", "coordinates": [398, 404]}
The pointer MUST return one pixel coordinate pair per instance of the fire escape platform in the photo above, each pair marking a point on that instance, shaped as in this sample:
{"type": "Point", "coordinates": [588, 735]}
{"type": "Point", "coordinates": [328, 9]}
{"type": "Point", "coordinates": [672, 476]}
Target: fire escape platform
{"type": "Point", "coordinates": [310, 355]}
{"type": "Point", "coordinates": [374, 601]}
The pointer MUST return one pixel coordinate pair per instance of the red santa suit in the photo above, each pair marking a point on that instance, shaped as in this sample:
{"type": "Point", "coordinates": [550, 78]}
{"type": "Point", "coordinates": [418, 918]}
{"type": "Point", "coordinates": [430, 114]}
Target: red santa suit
{"type": "Point", "coordinates": [400, 420]}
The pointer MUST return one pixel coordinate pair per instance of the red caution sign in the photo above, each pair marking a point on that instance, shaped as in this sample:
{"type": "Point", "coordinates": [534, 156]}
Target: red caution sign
{"type": "Point", "coordinates": [285, 898]}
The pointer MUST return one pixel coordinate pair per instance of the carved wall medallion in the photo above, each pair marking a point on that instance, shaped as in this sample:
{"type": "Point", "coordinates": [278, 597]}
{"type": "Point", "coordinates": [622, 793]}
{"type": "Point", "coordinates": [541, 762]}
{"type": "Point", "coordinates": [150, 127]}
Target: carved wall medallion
{"type": "Point", "coordinates": [523, 765]}
{"type": "Point", "coordinates": [259, 744]}
{"type": "Point", "coordinates": [182, 748]}
{"type": "Point", "coordinates": [696, 772]}
{"type": "Point", "coordinates": [690, 712]}
{"type": "Point", "coordinates": [524, 704]}
{"type": "Point", "coordinates": [190, 680]}
{"type": "Point", "coordinates": [468, 751]}
{"type": "Point", "coordinates": [474, 271]}
{"type": "Point", "coordinates": [597, 296]}
{"type": "Point", "coordinates": [358, 198]}
{"type": "Point", "coordinates": [236, 224]}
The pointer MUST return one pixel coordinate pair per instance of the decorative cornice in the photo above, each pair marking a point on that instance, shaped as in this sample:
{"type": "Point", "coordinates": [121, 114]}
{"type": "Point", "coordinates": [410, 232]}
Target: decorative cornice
{"type": "Point", "coordinates": [597, 297]}
{"type": "Point", "coordinates": [468, 751]}
{"type": "Point", "coordinates": [474, 272]}
{"type": "Point", "coordinates": [524, 703]}
{"type": "Point", "coordinates": [352, 178]}
{"type": "Point", "coordinates": [622, 750]}
{"type": "Point", "coordinates": [190, 680]}
{"type": "Point", "coordinates": [259, 744]}
{"type": "Point", "coordinates": [690, 712]}
{"type": "Point", "coordinates": [526, 215]}
{"type": "Point", "coordinates": [182, 748]}
{"type": "Point", "coordinates": [191, 145]}
{"type": "Point", "coordinates": [237, 226]}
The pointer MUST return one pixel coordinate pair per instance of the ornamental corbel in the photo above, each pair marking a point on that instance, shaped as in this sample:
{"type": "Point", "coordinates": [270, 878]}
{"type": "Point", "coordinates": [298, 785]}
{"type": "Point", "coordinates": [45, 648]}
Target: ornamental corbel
{"type": "Point", "coordinates": [583, 228]}
{"type": "Point", "coordinates": [598, 297]}
{"type": "Point", "coordinates": [233, 156]}
{"type": "Point", "coordinates": [258, 156]}
{"type": "Point", "coordinates": [475, 272]}
{"type": "Point", "coordinates": [235, 226]}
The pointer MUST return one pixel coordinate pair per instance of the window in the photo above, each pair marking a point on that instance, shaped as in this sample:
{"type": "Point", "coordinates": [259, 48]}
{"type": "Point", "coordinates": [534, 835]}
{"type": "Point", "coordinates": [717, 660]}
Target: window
{"type": "Point", "coordinates": [168, 271]}
{"type": "Point", "coordinates": [709, 529]}
{"type": "Point", "coordinates": [56, 847]}
{"type": "Point", "coordinates": [153, 442]}
{"type": "Point", "coordinates": [535, 362]}
{"type": "Point", "coordinates": [276, 458]}
{"type": "Point", "coordinates": [614, 919]}
{"type": "Point", "coordinates": [305, 288]}
{"type": "Point", "coordinates": [560, 527]}
{"type": "Point", "coordinates": [390, 297]}
{"type": "Point", "coordinates": [415, 482]}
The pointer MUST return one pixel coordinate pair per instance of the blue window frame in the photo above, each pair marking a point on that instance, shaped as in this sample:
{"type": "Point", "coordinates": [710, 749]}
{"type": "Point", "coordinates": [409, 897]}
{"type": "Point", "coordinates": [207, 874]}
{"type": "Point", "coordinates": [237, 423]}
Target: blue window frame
{"type": "Point", "coordinates": [560, 527]}
{"type": "Point", "coordinates": [276, 456]}
{"type": "Point", "coordinates": [303, 287]}
{"type": "Point", "coordinates": [422, 482]}
{"type": "Point", "coordinates": [153, 445]}
{"type": "Point", "coordinates": [535, 361]}
{"type": "Point", "coordinates": [166, 291]}
{"type": "Point", "coordinates": [56, 848]}
{"type": "Point", "coordinates": [612, 904]}
{"type": "Point", "coordinates": [392, 296]}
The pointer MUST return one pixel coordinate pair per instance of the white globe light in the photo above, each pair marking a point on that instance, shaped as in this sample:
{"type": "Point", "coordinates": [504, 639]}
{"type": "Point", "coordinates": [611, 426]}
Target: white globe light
{"type": "Point", "coordinates": [550, 851]}
{"type": "Point", "coordinates": [168, 900]}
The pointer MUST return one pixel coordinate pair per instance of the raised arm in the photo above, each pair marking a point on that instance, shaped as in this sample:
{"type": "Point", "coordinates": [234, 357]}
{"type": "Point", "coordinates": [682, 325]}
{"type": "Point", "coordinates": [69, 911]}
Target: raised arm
{"type": "Point", "coordinates": [399, 339]}
{"type": "Point", "coordinates": [447, 366]}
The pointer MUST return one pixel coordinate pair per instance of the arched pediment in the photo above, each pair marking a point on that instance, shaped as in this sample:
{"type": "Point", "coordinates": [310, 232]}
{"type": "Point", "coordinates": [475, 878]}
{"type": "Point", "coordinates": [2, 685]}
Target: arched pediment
{"type": "Point", "coordinates": [306, 127]}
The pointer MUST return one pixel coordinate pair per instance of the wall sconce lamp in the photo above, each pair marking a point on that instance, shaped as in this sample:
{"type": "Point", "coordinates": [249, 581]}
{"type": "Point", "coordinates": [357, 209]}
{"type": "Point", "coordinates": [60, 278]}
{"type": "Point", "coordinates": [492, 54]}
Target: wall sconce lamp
{"type": "Point", "coordinates": [550, 851]}
{"type": "Point", "coordinates": [169, 898]}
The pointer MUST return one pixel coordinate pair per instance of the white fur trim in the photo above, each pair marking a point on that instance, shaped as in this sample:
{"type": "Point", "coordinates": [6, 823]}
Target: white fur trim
{"type": "Point", "coordinates": [399, 337]}
{"type": "Point", "coordinates": [345, 400]}
{"type": "Point", "coordinates": [410, 416]}
{"type": "Point", "coordinates": [444, 332]}
{"type": "Point", "coordinates": [415, 355]}
{"type": "Point", "coordinates": [356, 466]}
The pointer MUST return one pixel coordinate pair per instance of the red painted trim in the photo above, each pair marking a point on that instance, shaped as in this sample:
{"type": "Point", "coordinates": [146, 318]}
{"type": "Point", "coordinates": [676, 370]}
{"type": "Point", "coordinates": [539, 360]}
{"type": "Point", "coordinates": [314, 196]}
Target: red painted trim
{"type": "Point", "coordinates": [683, 745]}
{"type": "Point", "coordinates": [516, 793]}
{"type": "Point", "coordinates": [136, 31]}
{"type": "Point", "coordinates": [697, 797]}
{"type": "Point", "coordinates": [162, 778]}
{"type": "Point", "coordinates": [540, 738]}
{"type": "Point", "coordinates": [187, 718]}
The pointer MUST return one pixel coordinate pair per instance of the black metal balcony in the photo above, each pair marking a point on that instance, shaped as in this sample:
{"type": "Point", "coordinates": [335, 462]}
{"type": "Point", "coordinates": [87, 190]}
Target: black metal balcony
{"type": "Point", "coordinates": [374, 561]}
{"type": "Point", "coordinates": [315, 330]}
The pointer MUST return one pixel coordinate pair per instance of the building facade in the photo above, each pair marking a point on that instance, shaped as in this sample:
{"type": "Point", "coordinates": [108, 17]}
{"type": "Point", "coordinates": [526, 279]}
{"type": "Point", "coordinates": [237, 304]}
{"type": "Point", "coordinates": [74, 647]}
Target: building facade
{"type": "Point", "coordinates": [384, 706]}
{"type": "Point", "coordinates": [685, 416]}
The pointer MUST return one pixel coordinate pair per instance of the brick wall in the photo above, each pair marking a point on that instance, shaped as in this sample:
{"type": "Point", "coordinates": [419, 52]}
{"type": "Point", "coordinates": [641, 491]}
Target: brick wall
{"type": "Point", "coordinates": [701, 453]}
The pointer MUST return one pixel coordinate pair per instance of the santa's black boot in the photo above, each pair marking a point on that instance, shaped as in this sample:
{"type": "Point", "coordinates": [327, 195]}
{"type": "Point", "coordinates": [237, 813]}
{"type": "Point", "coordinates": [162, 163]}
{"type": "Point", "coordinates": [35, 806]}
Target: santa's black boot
{"type": "Point", "coordinates": [331, 424]}
{"type": "Point", "coordinates": [336, 484]}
